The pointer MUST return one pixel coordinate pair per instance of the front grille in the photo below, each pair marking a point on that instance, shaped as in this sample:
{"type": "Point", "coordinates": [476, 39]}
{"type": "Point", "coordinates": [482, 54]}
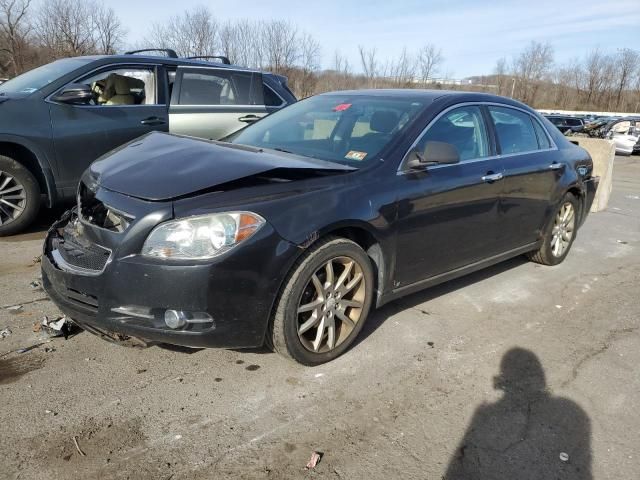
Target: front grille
{"type": "Point", "coordinates": [89, 257]}
{"type": "Point", "coordinates": [93, 211]}
{"type": "Point", "coordinates": [77, 251]}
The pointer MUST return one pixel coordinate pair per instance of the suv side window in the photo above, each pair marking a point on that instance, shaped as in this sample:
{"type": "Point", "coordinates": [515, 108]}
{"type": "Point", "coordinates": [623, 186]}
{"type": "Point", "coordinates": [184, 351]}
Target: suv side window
{"type": "Point", "coordinates": [514, 129]}
{"type": "Point", "coordinates": [123, 86]}
{"type": "Point", "coordinates": [271, 98]}
{"type": "Point", "coordinates": [463, 128]}
{"type": "Point", "coordinates": [214, 87]}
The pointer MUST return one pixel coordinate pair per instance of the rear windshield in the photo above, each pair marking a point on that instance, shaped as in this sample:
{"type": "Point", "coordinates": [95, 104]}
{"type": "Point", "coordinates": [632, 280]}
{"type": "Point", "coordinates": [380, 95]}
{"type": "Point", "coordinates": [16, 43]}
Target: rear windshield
{"type": "Point", "coordinates": [351, 130]}
{"type": "Point", "coordinates": [35, 79]}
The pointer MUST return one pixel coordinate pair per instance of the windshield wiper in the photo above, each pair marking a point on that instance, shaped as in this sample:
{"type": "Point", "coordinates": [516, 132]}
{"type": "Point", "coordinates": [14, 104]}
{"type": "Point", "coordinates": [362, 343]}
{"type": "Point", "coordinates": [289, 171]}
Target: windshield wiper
{"type": "Point", "coordinates": [278, 149]}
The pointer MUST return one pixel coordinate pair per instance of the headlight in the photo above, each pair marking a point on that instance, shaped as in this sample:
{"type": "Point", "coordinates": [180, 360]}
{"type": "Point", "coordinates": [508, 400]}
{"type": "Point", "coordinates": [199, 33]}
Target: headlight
{"type": "Point", "coordinates": [201, 237]}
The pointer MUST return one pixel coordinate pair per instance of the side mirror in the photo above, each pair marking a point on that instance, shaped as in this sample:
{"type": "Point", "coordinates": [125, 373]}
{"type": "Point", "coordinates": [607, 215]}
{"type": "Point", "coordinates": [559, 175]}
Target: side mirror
{"type": "Point", "coordinates": [435, 153]}
{"type": "Point", "coordinates": [75, 93]}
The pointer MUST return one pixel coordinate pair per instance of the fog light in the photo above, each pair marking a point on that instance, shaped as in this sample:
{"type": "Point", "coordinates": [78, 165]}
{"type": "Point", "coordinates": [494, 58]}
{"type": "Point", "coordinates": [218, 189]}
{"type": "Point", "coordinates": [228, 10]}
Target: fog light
{"type": "Point", "coordinates": [175, 319]}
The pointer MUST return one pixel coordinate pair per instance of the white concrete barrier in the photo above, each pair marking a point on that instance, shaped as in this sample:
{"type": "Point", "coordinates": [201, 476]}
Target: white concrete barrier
{"type": "Point", "coordinates": [603, 153]}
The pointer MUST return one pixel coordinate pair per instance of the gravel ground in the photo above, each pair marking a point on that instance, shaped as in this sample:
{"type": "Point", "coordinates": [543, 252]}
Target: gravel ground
{"type": "Point", "coordinates": [519, 371]}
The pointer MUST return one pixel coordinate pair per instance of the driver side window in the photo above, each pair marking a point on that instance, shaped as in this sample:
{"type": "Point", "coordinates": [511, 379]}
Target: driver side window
{"type": "Point", "coordinates": [123, 86]}
{"type": "Point", "coordinates": [463, 128]}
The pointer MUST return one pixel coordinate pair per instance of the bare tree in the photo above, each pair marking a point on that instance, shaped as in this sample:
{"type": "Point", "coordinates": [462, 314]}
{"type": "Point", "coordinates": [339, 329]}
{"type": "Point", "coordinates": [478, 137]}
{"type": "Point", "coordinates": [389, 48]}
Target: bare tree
{"type": "Point", "coordinates": [429, 59]}
{"type": "Point", "coordinates": [501, 74]}
{"type": "Point", "coordinates": [309, 64]}
{"type": "Point", "coordinates": [628, 65]}
{"type": "Point", "coordinates": [401, 72]}
{"type": "Point", "coordinates": [64, 28]}
{"type": "Point", "coordinates": [14, 33]}
{"type": "Point", "coordinates": [530, 68]}
{"type": "Point", "coordinates": [108, 30]}
{"type": "Point", "coordinates": [279, 45]}
{"type": "Point", "coordinates": [370, 65]}
{"type": "Point", "coordinates": [194, 33]}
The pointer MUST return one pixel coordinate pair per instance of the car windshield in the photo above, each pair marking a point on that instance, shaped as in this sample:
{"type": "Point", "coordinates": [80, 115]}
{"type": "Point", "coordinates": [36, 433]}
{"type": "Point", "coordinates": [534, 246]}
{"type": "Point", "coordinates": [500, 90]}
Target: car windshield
{"type": "Point", "coordinates": [347, 129]}
{"type": "Point", "coordinates": [35, 79]}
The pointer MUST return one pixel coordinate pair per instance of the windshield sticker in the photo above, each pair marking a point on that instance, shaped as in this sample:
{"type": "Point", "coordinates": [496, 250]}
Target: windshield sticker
{"type": "Point", "coordinates": [355, 155]}
{"type": "Point", "coordinates": [342, 107]}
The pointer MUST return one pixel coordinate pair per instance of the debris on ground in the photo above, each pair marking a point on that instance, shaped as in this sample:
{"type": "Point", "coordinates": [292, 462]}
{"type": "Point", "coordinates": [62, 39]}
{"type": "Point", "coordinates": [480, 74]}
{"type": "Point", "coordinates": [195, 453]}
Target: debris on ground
{"type": "Point", "coordinates": [37, 259]}
{"type": "Point", "coordinates": [315, 459]}
{"type": "Point", "coordinates": [15, 308]}
{"type": "Point", "coordinates": [5, 332]}
{"type": "Point", "coordinates": [56, 328]}
{"type": "Point", "coordinates": [49, 349]}
{"type": "Point", "coordinates": [36, 327]}
{"type": "Point", "coordinates": [51, 412]}
{"type": "Point", "coordinates": [35, 285]}
{"type": "Point", "coordinates": [622, 242]}
{"type": "Point", "coordinates": [75, 442]}
{"type": "Point", "coordinates": [564, 456]}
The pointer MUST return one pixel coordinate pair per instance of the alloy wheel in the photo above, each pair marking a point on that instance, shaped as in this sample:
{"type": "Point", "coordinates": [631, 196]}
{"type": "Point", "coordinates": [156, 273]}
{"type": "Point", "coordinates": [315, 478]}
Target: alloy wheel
{"type": "Point", "coordinates": [13, 198]}
{"type": "Point", "coordinates": [331, 304]}
{"type": "Point", "coordinates": [563, 228]}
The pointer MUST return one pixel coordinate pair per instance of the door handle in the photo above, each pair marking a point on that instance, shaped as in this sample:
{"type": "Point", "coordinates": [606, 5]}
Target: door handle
{"type": "Point", "coordinates": [153, 121]}
{"type": "Point", "coordinates": [492, 177]}
{"type": "Point", "coordinates": [249, 118]}
{"type": "Point", "coordinates": [556, 166]}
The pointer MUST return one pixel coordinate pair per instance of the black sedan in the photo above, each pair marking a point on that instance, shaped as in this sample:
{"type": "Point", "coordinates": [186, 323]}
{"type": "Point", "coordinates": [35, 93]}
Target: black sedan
{"type": "Point", "coordinates": [291, 233]}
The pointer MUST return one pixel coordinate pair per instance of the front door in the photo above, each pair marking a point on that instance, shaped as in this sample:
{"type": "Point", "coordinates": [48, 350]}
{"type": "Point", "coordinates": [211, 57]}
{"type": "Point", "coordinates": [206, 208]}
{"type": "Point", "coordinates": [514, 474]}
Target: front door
{"type": "Point", "coordinates": [212, 103]}
{"type": "Point", "coordinates": [448, 214]}
{"type": "Point", "coordinates": [125, 106]}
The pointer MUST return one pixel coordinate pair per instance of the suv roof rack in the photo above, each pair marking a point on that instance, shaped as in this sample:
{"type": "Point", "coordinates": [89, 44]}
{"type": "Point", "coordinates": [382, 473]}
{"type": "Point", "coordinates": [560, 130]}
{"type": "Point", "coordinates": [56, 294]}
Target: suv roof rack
{"type": "Point", "coordinates": [169, 52]}
{"type": "Point", "coordinates": [224, 60]}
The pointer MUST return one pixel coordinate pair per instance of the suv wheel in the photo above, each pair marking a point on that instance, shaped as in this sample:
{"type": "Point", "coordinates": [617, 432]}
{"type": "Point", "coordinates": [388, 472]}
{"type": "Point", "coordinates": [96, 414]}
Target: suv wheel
{"type": "Point", "coordinates": [19, 196]}
{"type": "Point", "coordinates": [324, 302]}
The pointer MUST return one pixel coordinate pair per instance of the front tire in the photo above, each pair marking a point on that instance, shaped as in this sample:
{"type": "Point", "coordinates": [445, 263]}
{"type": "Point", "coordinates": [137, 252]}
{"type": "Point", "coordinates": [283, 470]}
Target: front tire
{"type": "Point", "coordinates": [19, 197]}
{"type": "Point", "coordinates": [560, 233]}
{"type": "Point", "coordinates": [324, 302]}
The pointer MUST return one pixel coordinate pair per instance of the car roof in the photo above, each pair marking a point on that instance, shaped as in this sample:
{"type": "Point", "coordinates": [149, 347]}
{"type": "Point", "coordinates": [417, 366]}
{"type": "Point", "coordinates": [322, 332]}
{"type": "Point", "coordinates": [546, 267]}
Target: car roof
{"type": "Point", "coordinates": [429, 96]}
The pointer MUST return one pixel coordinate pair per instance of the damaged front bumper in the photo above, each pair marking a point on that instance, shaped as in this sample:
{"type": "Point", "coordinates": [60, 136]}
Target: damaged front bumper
{"type": "Point", "coordinates": [224, 302]}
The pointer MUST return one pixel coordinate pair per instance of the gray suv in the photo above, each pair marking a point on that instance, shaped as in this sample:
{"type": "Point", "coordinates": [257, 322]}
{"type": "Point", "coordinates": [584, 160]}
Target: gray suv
{"type": "Point", "coordinates": [56, 119]}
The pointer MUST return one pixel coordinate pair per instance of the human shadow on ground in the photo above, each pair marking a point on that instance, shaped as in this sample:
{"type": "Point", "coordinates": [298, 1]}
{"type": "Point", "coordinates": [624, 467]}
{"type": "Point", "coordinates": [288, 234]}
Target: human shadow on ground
{"type": "Point", "coordinates": [529, 434]}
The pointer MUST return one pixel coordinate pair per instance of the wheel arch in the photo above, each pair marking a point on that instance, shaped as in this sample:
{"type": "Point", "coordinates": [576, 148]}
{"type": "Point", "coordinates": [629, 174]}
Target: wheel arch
{"type": "Point", "coordinates": [364, 236]}
{"type": "Point", "coordinates": [32, 160]}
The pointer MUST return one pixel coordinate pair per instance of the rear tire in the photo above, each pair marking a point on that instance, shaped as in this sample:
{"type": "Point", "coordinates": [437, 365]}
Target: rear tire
{"type": "Point", "coordinates": [19, 197]}
{"type": "Point", "coordinates": [560, 233]}
{"type": "Point", "coordinates": [324, 302]}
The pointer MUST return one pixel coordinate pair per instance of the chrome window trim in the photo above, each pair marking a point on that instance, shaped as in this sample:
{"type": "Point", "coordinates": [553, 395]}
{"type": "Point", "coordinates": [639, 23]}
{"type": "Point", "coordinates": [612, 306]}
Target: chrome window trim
{"type": "Point", "coordinates": [402, 171]}
{"type": "Point", "coordinates": [90, 72]}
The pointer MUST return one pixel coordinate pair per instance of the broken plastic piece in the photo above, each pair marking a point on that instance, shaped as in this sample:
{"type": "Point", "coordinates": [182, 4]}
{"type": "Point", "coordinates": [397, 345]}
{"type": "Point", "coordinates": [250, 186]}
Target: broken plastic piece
{"type": "Point", "coordinates": [56, 328]}
{"type": "Point", "coordinates": [315, 459]}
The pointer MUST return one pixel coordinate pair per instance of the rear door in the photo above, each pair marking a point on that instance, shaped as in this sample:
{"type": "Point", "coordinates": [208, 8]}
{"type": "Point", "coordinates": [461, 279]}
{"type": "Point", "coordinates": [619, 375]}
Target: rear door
{"type": "Point", "coordinates": [532, 171]}
{"type": "Point", "coordinates": [212, 103]}
{"type": "Point", "coordinates": [127, 104]}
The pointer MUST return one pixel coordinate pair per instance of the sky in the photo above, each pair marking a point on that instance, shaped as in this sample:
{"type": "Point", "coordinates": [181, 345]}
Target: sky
{"type": "Point", "coordinates": [473, 34]}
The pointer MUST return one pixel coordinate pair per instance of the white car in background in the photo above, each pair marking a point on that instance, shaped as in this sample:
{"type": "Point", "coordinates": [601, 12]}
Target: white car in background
{"type": "Point", "coordinates": [625, 133]}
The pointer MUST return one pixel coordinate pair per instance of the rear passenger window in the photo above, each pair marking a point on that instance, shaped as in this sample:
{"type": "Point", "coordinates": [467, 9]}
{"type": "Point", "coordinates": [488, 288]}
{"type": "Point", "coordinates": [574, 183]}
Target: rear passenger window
{"type": "Point", "coordinates": [543, 138]}
{"type": "Point", "coordinates": [464, 129]}
{"type": "Point", "coordinates": [271, 98]}
{"type": "Point", "coordinates": [514, 129]}
{"type": "Point", "coordinates": [217, 87]}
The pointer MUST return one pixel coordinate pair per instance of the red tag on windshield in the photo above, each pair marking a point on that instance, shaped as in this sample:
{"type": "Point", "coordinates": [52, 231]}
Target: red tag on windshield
{"type": "Point", "coordinates": [342, 107]}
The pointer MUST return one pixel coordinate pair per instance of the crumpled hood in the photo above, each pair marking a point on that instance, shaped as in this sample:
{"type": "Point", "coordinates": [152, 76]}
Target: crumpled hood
{"type": "Point", "coordinates": [161, 166]}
